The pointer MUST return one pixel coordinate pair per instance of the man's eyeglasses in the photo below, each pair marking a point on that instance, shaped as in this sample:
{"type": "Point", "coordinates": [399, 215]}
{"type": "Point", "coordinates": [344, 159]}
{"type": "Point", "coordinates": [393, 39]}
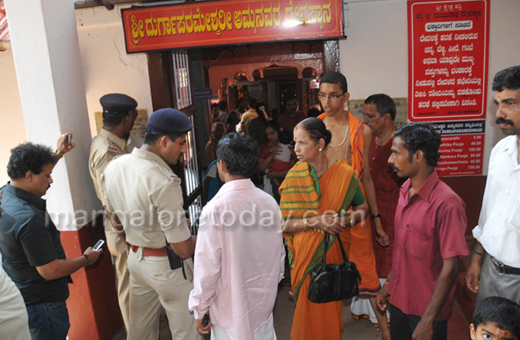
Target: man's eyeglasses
{"type": "Point", "coordinates": [332, 96]}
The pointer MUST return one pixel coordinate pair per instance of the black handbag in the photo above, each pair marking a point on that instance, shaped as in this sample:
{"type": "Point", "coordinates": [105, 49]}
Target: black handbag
{"type": "Point", "coordinates": [333, 282]}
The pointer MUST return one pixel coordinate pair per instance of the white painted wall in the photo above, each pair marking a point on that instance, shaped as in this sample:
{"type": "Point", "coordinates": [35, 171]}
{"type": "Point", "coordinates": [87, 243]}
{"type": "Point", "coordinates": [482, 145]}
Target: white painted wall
{"type": "Point", "coordinates": [374, 57]}
{"type": "Point", "coordinates": [53, 91]}
{"type": "Point", "coordinates": [107, 67]}
{"type": "Point", "coordinates": [12, 128]}
{"type": "Point", "coordinates": [46, 54]}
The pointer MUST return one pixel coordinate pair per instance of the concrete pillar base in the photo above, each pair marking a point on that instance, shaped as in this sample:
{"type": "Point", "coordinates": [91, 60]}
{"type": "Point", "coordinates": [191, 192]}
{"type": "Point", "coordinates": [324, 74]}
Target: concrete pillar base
{"type": "Point", "coordinates": [93, 307]}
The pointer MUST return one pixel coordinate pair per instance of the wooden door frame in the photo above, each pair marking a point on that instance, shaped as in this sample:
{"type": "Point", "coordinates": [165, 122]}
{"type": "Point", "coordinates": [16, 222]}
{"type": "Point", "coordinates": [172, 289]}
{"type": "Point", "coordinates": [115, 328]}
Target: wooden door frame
{"type": "Point", "coordinates": [162, 85]}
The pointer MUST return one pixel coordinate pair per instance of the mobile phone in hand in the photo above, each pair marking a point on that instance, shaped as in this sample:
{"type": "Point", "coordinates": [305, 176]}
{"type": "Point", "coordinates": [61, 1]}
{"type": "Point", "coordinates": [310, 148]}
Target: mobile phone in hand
{"type": "Point", "coordinates": [98, 245]}
{"type": "Point", "coordinates": [69, 139]}
{"type": "Point", "coordinates": [205, 320]}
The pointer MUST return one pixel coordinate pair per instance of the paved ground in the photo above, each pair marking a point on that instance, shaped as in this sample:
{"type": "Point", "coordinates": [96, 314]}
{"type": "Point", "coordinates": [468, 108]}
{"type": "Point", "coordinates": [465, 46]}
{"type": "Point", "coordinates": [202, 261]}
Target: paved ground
{"type": "Point", "coordinates": [354, 330]}
{"type": "Point", "coordinates": [283, 313]}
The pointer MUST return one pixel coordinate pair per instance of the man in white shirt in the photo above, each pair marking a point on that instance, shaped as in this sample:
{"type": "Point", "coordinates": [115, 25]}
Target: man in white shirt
{"type": "Point", "coordinates": [495, 261]}
{"type": "Point", "coordinates": [239, 257]}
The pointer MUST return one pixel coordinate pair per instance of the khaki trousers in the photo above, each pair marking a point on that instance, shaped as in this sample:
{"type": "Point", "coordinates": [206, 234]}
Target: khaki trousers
{"type": "Point", "coordinates": [14, 322]}
{"type": "Point", "coordinates": [117, 248]}
{"type": "Point", "coordinates": [152, 285]}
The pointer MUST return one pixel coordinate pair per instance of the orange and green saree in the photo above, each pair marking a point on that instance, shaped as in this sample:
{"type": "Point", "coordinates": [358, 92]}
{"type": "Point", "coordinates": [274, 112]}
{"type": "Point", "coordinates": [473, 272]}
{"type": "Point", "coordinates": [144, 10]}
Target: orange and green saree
{"type": "Point", "coordinates": [304, 195]}
{"type": "Point", "coordinates": [358, 240]}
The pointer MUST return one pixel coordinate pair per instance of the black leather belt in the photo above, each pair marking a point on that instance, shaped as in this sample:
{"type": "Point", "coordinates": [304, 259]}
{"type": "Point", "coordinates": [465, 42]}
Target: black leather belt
{"type": "Point", "coordinates": [502, 268]}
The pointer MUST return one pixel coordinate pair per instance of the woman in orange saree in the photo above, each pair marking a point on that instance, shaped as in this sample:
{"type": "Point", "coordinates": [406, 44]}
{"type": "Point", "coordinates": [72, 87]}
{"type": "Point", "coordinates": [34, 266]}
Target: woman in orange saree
{"type": "Point", "coordinates": [315, 198]}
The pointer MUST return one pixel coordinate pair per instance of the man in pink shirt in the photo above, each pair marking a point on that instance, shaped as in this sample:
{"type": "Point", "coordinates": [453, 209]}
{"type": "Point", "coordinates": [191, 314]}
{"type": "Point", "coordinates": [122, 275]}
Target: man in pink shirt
{"type": "Point", "coordinates": [239, 256]}
{"type": "Point", "coordinates": [430, 223]}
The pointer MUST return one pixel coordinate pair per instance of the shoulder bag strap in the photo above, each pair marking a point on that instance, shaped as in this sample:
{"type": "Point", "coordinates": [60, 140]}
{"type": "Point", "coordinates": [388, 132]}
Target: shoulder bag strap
{"type": "Point", "coordinates": [327, 236]}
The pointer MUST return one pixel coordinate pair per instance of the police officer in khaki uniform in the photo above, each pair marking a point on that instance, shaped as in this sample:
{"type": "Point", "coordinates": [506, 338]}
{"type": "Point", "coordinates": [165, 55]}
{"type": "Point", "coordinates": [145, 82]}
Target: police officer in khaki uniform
{"type": "Point", "coordinates": [113, 140]}
{"type": "Point", "coordinates": [146, 196]}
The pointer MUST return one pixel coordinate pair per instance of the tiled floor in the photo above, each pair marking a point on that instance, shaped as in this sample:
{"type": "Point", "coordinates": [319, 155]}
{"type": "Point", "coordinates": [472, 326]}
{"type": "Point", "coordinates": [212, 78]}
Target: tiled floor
{"type": "Point", "coordinates": [283, 313]}
{"type": "Point", "coordinates": [458, 327]}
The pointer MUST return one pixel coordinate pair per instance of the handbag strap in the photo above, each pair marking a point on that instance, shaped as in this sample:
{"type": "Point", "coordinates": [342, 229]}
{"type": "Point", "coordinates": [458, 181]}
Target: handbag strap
{"type": "Point", "coordinates": [327, 236]}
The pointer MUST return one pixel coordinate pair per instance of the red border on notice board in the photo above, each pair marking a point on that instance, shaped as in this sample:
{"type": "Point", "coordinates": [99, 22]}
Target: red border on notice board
{"type": "Point", "coordinates": [448, 59]}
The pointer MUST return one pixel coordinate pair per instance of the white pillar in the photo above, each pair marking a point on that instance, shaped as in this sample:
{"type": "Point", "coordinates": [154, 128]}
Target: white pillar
{"type": "Point", "coordinates": [50, 79]}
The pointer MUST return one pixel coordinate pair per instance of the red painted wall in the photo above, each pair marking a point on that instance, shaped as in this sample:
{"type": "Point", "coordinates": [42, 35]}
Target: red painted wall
{"type": "Point", "coordinates": [93, 307]}
{"type": "Point", "coordinates": [471, 190]}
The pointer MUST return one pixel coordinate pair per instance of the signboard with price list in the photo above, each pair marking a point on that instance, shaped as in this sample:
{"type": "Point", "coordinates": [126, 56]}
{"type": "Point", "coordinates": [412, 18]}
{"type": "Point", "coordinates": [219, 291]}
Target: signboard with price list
{"type": "Point", "coordinates": [462, 148]}
{"type": "Point", "coordinates": [448, 67]}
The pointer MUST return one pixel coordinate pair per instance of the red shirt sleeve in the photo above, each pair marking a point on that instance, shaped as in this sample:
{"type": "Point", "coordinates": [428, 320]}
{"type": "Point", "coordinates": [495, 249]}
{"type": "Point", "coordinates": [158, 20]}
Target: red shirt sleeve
{"type": "Point", "coordinates": [264, 151]}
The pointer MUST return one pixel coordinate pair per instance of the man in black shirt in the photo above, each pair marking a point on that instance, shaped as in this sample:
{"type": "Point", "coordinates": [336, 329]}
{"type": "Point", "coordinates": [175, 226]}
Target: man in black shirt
{"type": "Point", "coordinates": [32, 253]}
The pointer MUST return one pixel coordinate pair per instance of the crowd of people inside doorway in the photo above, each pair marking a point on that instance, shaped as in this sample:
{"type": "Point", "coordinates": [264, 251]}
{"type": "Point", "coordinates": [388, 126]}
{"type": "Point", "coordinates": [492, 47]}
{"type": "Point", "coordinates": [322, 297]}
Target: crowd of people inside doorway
{"type": "Point", "coordinates": [369, 185]}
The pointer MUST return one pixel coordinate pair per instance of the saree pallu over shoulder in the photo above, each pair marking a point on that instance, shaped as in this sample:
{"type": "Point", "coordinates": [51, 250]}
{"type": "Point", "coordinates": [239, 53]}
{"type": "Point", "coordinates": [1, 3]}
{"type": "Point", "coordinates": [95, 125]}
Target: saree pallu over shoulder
{"type": "Point", "coordinates": [301, 191]}
{"type": "Point", "coordinates": [299, 194]}
{"type": "Point", "coordinates": [304, 195]}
